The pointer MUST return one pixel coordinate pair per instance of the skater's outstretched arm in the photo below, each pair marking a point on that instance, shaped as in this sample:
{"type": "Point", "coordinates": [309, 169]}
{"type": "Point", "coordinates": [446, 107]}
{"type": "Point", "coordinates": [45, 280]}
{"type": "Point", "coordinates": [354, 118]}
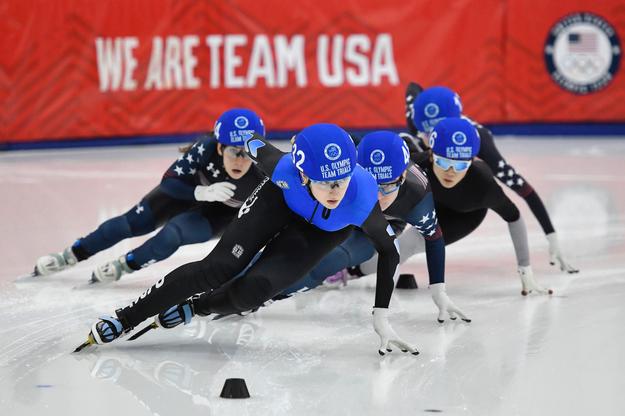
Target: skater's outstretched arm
{"type": "Point", "coordinates": [500, 203]}
{"type": "Point", "coordinates": [509, 176]}
{"type": "Point", "coordinates": [383, 238]}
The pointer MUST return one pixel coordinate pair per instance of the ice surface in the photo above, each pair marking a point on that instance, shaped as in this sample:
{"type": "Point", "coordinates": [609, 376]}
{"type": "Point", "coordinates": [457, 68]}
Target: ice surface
{"type": "Point", "coordinates": [316, 354]}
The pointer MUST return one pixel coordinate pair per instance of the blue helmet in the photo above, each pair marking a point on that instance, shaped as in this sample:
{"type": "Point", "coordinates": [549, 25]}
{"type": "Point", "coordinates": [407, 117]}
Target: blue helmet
{"type": "Point", "coordinates": [434, 104]}
{"type": "Point", "coordinates": [236, 126]}
{"type": "Point", "coordinates": [455, 138]}
{"type": "Point", "coordinates": [324, 152]}
{"type": "Point", "coordinates": [384, 154]}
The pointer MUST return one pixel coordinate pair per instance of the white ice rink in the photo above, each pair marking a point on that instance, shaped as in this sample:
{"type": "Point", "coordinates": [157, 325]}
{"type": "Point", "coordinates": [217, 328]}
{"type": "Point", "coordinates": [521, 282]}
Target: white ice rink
{"type": "Point", "coordinates": [316, 354]}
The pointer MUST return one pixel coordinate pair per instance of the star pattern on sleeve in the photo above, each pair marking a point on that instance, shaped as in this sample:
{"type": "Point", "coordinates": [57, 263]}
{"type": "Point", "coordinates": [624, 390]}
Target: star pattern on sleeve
{"type": "Point", "coordinates": [189, 163]}
{"type": "Point", "coordinates": [427, 225]}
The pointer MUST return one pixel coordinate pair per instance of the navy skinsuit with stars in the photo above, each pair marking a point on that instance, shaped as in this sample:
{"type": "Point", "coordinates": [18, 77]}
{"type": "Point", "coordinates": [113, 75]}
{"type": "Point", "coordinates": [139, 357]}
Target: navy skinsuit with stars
{"type": "Point", "coordinates": [172, 204]}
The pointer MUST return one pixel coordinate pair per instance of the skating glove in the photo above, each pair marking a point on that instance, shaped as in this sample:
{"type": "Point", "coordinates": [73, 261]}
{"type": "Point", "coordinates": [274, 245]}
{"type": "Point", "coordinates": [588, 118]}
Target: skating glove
{"type": "Point", "coordinates": [220, 192]}
{"type": "Point", "coordinates": [445, 305]}
{"type": "Point", "coordinates": [528, 282]}
{"type": "Point", "coordinates": [387, 335]}
{"type": "Point", "coordinates": [555, 255]}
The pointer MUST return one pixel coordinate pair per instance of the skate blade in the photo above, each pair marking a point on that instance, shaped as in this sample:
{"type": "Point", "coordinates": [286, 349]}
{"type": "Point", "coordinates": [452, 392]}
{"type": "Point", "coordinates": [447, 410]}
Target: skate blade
{"type": "Point", "coordinates": [89, 341]}
{"type": "Point", "coordinates": [30, 277]}
{"type": "Point", "coordinates": [153, 325]}
{"type": "Point", "coordinates": [89, 285]}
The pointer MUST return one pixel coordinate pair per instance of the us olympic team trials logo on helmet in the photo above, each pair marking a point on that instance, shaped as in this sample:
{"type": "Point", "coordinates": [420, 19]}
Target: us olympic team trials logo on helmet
{"type": "Point", "coordinates": [459, 138]}
{"type": "Point", "coordinates": [377, 157]}
{"type": "Point", "coordinates": [582, 53]}
{"type": "Point", "coordinates": [431, 110]}
{"type": "Point", "coordinates": [332, 151]}
{"type": "Point", "coordinates": [241, 122]}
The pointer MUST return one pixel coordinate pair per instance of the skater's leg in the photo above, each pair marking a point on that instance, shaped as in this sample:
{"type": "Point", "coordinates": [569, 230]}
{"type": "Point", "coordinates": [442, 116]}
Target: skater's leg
{"type": "Point", "coordinates": [187, 228]}
{"type": "Point", "coordinates": [356, 249]}
{"type": "Point", "coordinates": [288, 257]}
{"type": "Point", "coordinates": [242, 239]}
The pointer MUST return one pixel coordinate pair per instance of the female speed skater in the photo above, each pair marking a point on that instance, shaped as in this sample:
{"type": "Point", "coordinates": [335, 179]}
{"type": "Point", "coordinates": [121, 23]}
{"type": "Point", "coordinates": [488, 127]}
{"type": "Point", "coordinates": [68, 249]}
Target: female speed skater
{"type": "Point", "coordinates": [464, 190]}
{"type": "Point", "coordinates": [308, 204]}
{"type": "Point", "coordinates": [405, 196]}
{"type": "Point", "coordinates": [197, 197]}
{"type": "Point", "coordinates": [425, 108]}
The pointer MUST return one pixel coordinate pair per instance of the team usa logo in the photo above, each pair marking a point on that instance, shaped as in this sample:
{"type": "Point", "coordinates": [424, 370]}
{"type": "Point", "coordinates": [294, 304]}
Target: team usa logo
{"type": "Point", "coordinates": [459, 138]}
{"type": "Point", "coordinates": [332, 151]}
{"type": "Point", "coordinates": [241, 122]}
{"type": "Point", "coordinates": [377, 157]}
{"type": "Point", "coordinates": [431, 110]}
{"type": "Point", "coordinates": [582, 53]}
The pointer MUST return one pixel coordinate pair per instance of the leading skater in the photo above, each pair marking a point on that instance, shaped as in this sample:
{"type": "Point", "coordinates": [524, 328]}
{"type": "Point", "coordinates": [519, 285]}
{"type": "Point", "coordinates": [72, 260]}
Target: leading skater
{"type": "Point", "coordinates": [315, 197]}
{"type": "Point", "coordinates": [405, 196]}
{"type": "Point", "coordinates": [197, 197]}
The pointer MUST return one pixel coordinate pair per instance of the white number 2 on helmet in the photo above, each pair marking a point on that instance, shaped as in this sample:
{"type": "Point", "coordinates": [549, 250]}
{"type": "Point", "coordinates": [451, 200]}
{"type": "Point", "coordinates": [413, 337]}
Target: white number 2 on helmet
{"type": "Point", "coordinates": [298, 154]}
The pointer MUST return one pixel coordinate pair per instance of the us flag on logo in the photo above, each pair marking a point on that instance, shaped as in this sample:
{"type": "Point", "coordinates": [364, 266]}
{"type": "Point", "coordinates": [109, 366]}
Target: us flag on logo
{"type": "Point", "coordinates": [582, 42]}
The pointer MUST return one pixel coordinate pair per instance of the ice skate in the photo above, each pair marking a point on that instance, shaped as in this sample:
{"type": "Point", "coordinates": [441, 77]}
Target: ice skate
{"type": "Point", "coordinates": [337, 280]}
{"type": "Point", "coordinates": [340, 279]}
{"type": "Point", "coordinates": [55, 262]}
{"type": "Point", "coordinates": [171, 318]}
{"type": "Point", "coordinates": [106, 330]}
{"type": "Point", "coordinates": [111, 271]}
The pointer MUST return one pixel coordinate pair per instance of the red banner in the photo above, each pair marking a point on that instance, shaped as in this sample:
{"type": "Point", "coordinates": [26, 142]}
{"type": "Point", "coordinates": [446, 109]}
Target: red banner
{"type": "Point", "coordinates": [87, 68]}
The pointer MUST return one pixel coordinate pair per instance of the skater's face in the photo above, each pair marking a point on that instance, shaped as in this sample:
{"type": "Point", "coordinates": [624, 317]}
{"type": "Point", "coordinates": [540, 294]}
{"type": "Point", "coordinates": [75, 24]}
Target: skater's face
{"type": "Point", "coordinates": [329, 194]}
{"type": "Point", "coordinates": [387, 192]}
{"type": "Point", "coordinates": [235, 159]}
{"type": "Point", "coordinates": [452, 175]}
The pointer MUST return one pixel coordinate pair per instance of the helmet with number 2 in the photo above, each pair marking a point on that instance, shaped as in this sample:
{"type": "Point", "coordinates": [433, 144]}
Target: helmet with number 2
{"type": "Point", "coordinates": [324, 152]}
{"type": "Point", "coordinates": [384, 154]}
